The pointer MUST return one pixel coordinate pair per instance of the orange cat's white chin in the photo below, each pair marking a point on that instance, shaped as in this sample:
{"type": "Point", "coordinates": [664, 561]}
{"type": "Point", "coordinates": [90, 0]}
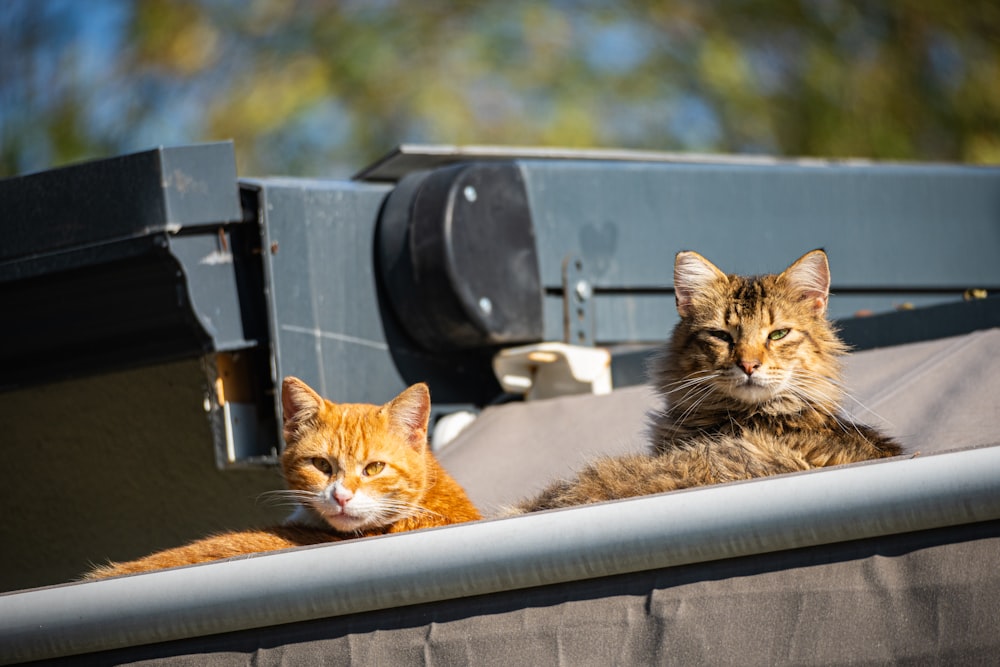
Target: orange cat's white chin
{"type": "Point", "coordinates": [347, 524]}
{"type": "Point", "coordinates": [359, 513]}
{"type": "Point", "coordinates": [348, 519]}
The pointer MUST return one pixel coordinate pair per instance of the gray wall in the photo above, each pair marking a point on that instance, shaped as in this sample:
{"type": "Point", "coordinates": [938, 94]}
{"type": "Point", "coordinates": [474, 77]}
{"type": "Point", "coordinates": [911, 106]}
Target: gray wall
{"type": "Point", "coordinates": [114, 466]}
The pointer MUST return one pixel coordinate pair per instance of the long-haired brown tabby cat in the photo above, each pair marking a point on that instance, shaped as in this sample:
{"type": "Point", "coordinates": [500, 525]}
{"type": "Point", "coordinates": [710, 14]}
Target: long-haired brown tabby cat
{"type": "Point", "coordinates": [751, 379]}
{"type": "Point", "coordinates": [355, 470]}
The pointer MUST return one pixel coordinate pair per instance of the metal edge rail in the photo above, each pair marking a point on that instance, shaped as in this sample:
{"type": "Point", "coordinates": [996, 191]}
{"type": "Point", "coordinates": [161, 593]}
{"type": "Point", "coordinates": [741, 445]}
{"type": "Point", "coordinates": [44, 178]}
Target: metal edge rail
{"type": "Point", "coordinates": [697, 525]}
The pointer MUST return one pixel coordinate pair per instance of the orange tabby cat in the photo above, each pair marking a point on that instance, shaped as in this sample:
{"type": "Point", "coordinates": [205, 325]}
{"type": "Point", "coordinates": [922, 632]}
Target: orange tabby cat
{"type": "Point", "coordinates": [355, 470]}
{"type": "Point", "coordinates": [751, 378]}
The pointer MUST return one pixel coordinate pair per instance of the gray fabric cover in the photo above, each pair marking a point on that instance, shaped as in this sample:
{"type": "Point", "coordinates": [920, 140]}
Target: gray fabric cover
{"type": "Point", "coordinates": [933, 396]}
{"type": "Point", "coordinates": [919, 599]}
{"type": "Point", "coordinates": [930, 597]}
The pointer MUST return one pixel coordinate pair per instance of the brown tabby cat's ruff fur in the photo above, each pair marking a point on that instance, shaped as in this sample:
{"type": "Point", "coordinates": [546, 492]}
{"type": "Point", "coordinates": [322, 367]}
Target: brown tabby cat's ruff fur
{"type": "Point", "coordinates": [751, 378]}
{"type": "Point", "coordinates": [356, 470]}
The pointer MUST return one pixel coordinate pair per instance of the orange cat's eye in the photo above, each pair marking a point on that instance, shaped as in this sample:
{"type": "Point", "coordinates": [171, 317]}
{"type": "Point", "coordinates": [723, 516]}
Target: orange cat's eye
{"type": "Point", "coordinates": [322, 465]}
{"type": "Point", "coordinates": [374, 468]}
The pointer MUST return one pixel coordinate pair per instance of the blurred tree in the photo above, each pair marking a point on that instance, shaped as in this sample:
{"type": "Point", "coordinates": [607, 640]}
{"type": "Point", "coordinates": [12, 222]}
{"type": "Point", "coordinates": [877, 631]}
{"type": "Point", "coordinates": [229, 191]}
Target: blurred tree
{"type": "Point", "coordinates": [321, 88]}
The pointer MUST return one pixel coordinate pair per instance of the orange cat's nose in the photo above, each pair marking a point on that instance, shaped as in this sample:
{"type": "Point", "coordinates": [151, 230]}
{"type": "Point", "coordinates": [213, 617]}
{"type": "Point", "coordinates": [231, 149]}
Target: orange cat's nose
{"type": "Point", "coordinates": [342, 495]}
{"type": "Point", "coordinates": [748, 366]}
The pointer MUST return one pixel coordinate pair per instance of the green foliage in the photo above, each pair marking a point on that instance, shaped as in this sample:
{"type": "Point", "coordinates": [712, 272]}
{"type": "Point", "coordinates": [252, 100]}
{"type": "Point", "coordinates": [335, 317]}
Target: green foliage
{"type": "Point", "coordinates": [321, 88]}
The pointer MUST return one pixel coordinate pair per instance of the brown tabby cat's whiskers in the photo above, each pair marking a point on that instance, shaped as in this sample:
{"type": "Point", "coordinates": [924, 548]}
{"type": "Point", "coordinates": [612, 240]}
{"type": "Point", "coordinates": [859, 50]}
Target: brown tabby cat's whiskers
{"type": "Point", "coordinates": [751, 382]}
{"type": "Point", "coordinates": [698, 388]}
{"type": "Point", "coordinates": [821, 402]}
{"type": "Point", "coordinates": [861, 406]}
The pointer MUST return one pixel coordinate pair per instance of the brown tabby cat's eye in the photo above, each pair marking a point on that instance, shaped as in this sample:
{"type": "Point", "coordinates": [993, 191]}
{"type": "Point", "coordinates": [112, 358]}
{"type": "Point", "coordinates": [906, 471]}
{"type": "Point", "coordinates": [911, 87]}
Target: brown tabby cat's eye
{"type": "Point", "coordinates": [736, 406]}
{"type": "Point", "coordinates": [719, 334]}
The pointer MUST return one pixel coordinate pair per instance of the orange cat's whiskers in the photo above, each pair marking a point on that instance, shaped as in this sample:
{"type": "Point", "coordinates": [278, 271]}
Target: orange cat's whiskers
{"type": "Point", "coordinates": [353, 470]}
{"type": "Point", "coordinates": [404, 510]}
{"type": "Point", "coordinates": [286, 497]}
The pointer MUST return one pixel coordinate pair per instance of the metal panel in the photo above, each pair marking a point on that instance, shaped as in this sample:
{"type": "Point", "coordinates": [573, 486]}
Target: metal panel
{"type": "Point", "coordinates": [407, 158]}
{"type": "Point", "coordinates": [210, 279]}
{"type": "Point", "coordinates": [331, 324]}
{"type": "Point", "coordinates": [908, 326]}
{"type": "Point", "coordinates": [325, 321]}
{"type": "Point", "coordinates": [158, 237]}
{"type": "Point", "coordinates": [894, 227]}
{"type": "Point", "coordinates": [648, 317]}
{"type": "Point", "coordinates": [897, 235]}
{"type": "Point", "coordinates": [893, 233]}
{"type": "Point", "coordinates": [119, 262]}
{"type": "Point", "coordinates": [160, 190]}
{"type": "Point", "coordinates": [199, 185]}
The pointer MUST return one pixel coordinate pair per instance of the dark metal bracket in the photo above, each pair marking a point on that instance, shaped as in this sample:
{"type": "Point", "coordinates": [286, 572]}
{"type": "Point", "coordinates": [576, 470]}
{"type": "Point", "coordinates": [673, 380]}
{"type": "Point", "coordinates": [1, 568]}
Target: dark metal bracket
{"type": "Point", "coordinates": [578, 302]}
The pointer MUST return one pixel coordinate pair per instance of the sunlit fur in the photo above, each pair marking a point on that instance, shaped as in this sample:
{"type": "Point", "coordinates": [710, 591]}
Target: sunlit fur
{"type": "Point", "coordinates": [797, 382]}
{"type": "Point", "coordinates": [410, 491]}
{"type": "Point", "coordinates": [751, 384]}
{"type": "Point", "coordinates": [344, 497]}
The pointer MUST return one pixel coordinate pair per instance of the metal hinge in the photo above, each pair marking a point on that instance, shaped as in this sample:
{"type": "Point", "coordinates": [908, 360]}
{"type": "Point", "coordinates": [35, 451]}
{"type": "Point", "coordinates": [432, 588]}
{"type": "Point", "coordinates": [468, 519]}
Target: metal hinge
{"type": "Point", "coordinates": [578, 303]}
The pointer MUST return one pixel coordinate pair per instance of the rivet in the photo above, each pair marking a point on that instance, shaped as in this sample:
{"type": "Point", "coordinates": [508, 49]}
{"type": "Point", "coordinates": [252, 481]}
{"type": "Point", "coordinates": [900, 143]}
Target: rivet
{"type": "Point", "coordinates": [470, 193]}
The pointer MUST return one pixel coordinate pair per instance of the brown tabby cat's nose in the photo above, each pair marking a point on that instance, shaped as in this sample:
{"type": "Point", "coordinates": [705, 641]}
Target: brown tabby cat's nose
{"type": "Point", "coordinates": [748, 367]}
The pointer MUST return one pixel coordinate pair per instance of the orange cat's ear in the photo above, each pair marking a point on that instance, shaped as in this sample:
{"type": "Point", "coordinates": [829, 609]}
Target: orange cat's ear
{"type": "Point", "coordinates": [409, 413]}
{"type": "Point", "coordinates": [810, 274]}
{"type": "Point", "coordinates": [692, 274]}
{"type": "Point", "coordinates": [299, 404]}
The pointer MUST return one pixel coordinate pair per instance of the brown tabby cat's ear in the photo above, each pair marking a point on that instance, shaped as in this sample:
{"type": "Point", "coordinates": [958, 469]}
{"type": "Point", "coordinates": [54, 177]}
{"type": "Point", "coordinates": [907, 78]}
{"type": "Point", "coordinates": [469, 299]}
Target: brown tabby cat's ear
{"type": "Point", "coordinates": [299, 404]}
{"type": "Point", "coordinates": [810, 274]}
{"type": "Point", "coordinates": [409, 413]}
{"type": "Point", "coordinates": [692, 274]}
